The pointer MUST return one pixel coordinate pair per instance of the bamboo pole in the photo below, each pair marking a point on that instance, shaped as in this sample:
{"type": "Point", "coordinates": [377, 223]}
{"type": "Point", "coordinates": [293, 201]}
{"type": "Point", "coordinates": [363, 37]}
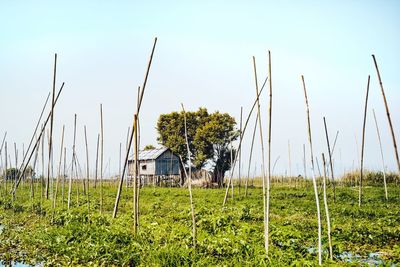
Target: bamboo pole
{"type": "Point", "coordinates": [5, 176]}
{"type": "Point", "coordinates": [382, 158]}
{"type": "Point", "coordinates": [362, 144]}
{"type": "Point", "coordinates": [240, 152]}
{"type": "Point", "coordinates": [101, 157]}
{"type": "Point", "coordinates": [290, 162]}
{"type": "Point", "coordinates": [50, 162]}
{"type": "Point", "coordinates": [126, 151]}
{"type": "Point", "coordinates": [72, 167]}
{"type": "Point", "coordinates": [304, 161]}
{"type": "Point", "coordinates": [387, 113]}
{"type": "Point", "coordinates": [265, 208]}
{"type": "Point", "coordinates": [328, 220]}
{"type": "Point", "coordinates": [59, 168]}
{"type": "Point", "coordinates": [251, 154]}
{"type": "Point", "coordinates": [330, 160]}
{"type": "Point", "coordinates": [313, 173]}
{"type": "Point", "coordinates": [131, 137]}
{"type": "Point", "coordinates": [63, 180]}
{"type": "Point", "coordinates": [32, 185]}
{"type": "Point", "coordinates": [189, 179]}
{"type": "Point", "coordinates": [40, 135]}
{"type": "Point", "coordinates": [87, 171]}
{"type": "Point", "coordinates": [240, 143]}
{"type": "Point", "coordinates": [97, 161]}
{"type": "Point", "coordinates": [269, 149]}
{"type": "Point", "coordinates": [135, 177]}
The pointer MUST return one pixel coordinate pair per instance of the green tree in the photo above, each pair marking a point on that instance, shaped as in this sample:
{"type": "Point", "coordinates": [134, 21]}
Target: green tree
{"type": "Point", "coordinates": [149, 147]}
{"type": "Point", "coordinates": [209, 137]}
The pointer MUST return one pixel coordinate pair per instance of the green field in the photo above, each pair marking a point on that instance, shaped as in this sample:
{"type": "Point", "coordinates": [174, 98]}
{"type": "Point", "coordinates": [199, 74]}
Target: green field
{"type": "Point", "coordinates": [226, 236]}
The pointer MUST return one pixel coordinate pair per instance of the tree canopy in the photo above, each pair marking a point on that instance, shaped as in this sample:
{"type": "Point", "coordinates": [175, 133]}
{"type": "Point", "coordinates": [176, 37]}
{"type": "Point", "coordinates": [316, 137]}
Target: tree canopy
{"type": "Point", "coordinates": [209, 137]}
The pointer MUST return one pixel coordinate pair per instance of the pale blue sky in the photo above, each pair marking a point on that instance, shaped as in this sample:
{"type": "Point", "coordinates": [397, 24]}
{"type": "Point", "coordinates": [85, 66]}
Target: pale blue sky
{"type": "Point", "coordinates": [203, 58]}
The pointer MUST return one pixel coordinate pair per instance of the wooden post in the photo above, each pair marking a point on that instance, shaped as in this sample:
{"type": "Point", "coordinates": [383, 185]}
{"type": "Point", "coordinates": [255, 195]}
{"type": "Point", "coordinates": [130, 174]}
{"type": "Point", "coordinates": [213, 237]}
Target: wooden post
{"type": "Point", "coordinates": [87, 171]}
{"type": "Point", "coordinates": [265, 209]}
{"type": "Point", "coordinates": [387, 114]}
{"type": "Point", "coordinates": [313, 174]}
{"type": "Point", "coordinates": [251, 154]}
{"type": "Point", "coordinates": [131, 137]}
{"type": "Point", "coordinates": [330, 160]}
{"type": "Point", "coordinates": [362, 144]}
{"type": "Point", "coordinates": [189, 179]}
{"type": "Point", "coordinates": [49, 164]}
{"type": "Point", "coordinates": [328, 220]}
{"type": "Point", "coordinates": [383, 160]}
{"type": "Point", "coordinates": [240, 152]}
{"type": "Point", "coordinates": [59, 168]}
{"type": "Point", "coordinates": [101, 157]}
{"type": "Point", "coordinates": [72, 166]}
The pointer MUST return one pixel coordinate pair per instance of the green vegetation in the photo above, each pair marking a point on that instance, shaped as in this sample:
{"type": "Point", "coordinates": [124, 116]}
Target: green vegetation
{"type": "Point", "coordinates": [230, 236]}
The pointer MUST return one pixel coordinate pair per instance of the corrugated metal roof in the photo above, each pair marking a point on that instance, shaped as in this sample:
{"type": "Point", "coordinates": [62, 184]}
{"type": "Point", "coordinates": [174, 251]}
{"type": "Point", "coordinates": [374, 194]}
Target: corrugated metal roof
{"type": "Point", "coordinates": [150, 153]}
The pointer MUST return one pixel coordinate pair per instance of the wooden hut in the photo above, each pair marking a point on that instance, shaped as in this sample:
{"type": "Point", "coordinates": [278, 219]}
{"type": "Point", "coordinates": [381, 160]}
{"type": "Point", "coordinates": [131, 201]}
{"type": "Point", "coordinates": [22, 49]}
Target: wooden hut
{"type": "Point", "coordinates": [156, 166]}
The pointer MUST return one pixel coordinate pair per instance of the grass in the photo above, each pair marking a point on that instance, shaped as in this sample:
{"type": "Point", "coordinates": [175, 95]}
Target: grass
{"type": "Point", "coordinates": [227, 236]}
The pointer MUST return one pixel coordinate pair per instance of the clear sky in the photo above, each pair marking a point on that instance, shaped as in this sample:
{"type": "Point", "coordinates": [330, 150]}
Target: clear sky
{"type": "Point", "coordinates": [203, 58]}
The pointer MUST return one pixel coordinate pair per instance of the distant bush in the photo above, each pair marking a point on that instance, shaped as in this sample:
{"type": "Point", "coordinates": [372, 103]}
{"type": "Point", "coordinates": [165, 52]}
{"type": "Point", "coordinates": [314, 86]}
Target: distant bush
{"type": "Point", "coordinates": [369, 177]}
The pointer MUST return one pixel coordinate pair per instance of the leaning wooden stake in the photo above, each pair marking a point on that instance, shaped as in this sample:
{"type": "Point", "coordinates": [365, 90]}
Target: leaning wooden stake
{"type": "Point", "coordinates": [240, 145]}
{"type": "Point", "coordinates": [330, 160]}
{"type": "Point", "coordinates": [362, 145]}
{"type": "Point", "coordinates": [383, 160]}
{"type": "Point", "coordinates": [328, 220]}
{"type": "Point", "coordinates": [21, 173]}
{"type": "Point", "coordinates": [189, 179]}
{"type": "Point", "coordinates": [121, 181]}
{"type": "Point", "coordinates": [388, 115]}
{"type": "Point", "coordinates": [313, 174]}
{"type": "Point", "coordinates": [263, 162]}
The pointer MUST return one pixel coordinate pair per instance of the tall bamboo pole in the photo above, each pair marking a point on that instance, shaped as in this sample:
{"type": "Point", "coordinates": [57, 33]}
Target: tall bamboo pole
{"type": "Point", "coordinates": [251, 154]}
{"type": "Point", "coordinates": [33, 149]}
{"type": "Point", "coordinates": [240, 152]}
{"type": "Point", "coordinates": [63, 180]}
{"type": "Point", "coordinates": [362, 144]}
{"type": "Point", "coordinates": [382, 158]}
{"type": "Point", "coordinates": [290, 162]}
{"type": "Point", "coordinates": [328, 220]}
{"type": "Point", "coordinates": [190, 182]}
{"type": "Point", "coordinates": [131, 137]}
{"type": "Point", "coordinates": [330, 160]}
{"type": "Point", "coordinates": [97, 161]}
{"type": "Point", "coordinates": [72, 166]}
{"type": "Point", "coordinates": [49, 164]}
{"type": "Point", "coordinates": [269, 148]}
{"type": "Point", "coordinates": [135, 177]}
{"type": "Point", "coordinates": [59, 168]}
{"type": "Point", "coordinates": [387, 114]}
{"type": "Point", "coordinates": [313, 174]}
{"type": "Point", "coordinates": [101, 157]}
{"type": "Point", "coordinates": [87, 171]}
{"type": "Point", "coordinates": [265, 209]}
{"type": "Point", "coordinates": [240, 144]}
{"type": "Point", "coordinates": [304, 161]}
